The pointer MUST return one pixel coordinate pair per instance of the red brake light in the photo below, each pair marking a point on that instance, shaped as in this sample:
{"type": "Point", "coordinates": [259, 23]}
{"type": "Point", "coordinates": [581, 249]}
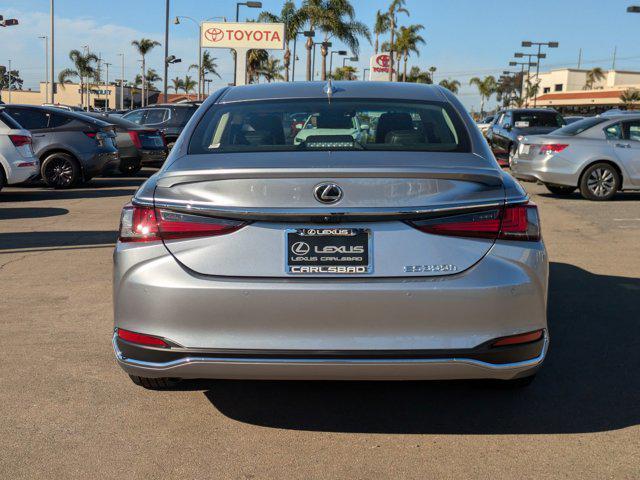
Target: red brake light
{"type": "Point", "coordinates": [512, 222]}
{"type": "Point", "coordinates": [90, 134]}
{"type": "Point", "coordinates": [20, 140]}
{"type": "Point", "coordinates": [141, 338]}
{"type": "Point", "coordinates": [135, 138]}
{"type": "Point", "coordinates": [517, 339]}
{"type": "Point", "coordinates": [553, 148]}
{"type": "Point", "coordinates": [146, 224]}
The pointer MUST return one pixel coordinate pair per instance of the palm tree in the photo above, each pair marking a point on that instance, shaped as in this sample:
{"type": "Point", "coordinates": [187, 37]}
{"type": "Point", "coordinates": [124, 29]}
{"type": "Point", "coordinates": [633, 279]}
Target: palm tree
{"type": "Point", "coordinates": [177, 84]}
{"type": "Point", "coordinates": [407, 42]}
{"type": "Point", "coordinates": [144, 46]}
{"type": "Point", "coordinates": [452, 85]}
{"type": "Point", "coordinates": [10, 80]}
{"type": "Point", "coordinates": [418, 76]}
{"type": "Point", "coordinates": [293, 20]}
{"type": "Point", "coordinates": [271, 70]}
{"type": "Point", "coordinates": [255, 61]}
{"type": "Point", "coordinates": [396, 7]}
{"type": "Point", "coordinates": [593, 76]}
{"type": "Point", "coordinates": [347, 72]}
{"type": "Point", "coordinates": [531, 89]}
{"type": "Point", "coordinates": [336, 19]}
{"type": "Point", "coordinates": [381, 26]}
{"type": "Point", "coordinates": [629, 97]}
{"type": "Point", "coordinates": [506, 89]}
{"type": "Point", "coordinates": [208, 65]}
{"type": "Point", "coordinates": [188, 84]}
{"type": "Point", "coordinates": [486, 87]}
{"type": "Point", "coordinates": [84, 64]}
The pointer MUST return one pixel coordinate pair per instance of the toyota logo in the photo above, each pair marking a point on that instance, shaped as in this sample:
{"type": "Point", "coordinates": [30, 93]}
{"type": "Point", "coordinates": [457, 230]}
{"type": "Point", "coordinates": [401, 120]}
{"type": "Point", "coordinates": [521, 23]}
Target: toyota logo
{"type": "Point", "coordinates": [300, 248]}
{"type": "Point", "coordinates": [383, 60]}
{"type": "Point", "coordinates": [213, 34]}
{"type": "Point", "coordinates": [327, 193]}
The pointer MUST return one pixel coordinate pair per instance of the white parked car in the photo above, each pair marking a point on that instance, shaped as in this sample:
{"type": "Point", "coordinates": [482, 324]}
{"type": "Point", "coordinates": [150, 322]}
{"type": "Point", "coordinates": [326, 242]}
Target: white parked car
{"type": "Point", "coordinates": [17, 161]}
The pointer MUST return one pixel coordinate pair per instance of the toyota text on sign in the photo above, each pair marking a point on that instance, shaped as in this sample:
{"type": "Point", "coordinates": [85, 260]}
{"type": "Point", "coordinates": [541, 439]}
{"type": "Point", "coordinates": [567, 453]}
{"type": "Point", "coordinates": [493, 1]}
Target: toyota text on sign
{"type": "Point", "coordinates": [243, 35]}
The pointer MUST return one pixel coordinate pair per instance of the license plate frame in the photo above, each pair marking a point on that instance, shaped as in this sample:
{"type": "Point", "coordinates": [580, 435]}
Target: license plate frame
{"type": "Point", "coordinates": [322, 243]}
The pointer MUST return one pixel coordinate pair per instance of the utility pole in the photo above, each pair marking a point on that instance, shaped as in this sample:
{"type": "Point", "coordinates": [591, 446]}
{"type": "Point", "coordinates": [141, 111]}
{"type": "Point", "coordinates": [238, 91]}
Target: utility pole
{"type": "Point", "coordinates": [9, 79]}
{"type": "Point", "coordinates": [613, 63]}
{"type": "Point", "coordinates": [106, 82]}
{"type": "Point", "coordinates": [166, 51]}
{"type": "Point", "coordinates": [121, 81]}
{"type": "Point", "coordinates": [51, 33]}
{"type": "Point", "coordinates": [579, 58]}
{"type": "Point", "coordinates": [46, 67]}
{"type": "Point", "coordinates": [540, 45]}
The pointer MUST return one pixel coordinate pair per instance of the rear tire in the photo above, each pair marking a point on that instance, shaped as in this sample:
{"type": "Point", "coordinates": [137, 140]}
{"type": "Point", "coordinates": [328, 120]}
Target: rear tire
{"type": "Point", "coordinates": [129, 167]}
{"type": "Point", "coordinates": [60, 170]}
{"type": "Point", "coordinates": [516, 383]}
{"type": "Point", "coordinates": [599, 182]}
{"type": "Point", "coordinates": [162, 383]}
{"type": "Point", "coordinates": [560, 189]}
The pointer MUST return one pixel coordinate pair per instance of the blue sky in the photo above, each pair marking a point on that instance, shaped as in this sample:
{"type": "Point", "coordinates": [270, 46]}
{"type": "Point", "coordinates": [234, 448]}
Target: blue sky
{"type": "Point", "coordinates": [465, 38]}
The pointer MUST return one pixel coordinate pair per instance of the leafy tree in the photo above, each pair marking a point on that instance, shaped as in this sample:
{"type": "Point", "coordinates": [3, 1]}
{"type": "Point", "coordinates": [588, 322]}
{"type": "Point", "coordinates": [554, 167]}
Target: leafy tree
{"type": "Point", "coordinates": [256, 59]}
{"type": "Point", "coordinates": [486, 88]}
{"type": "Point", "coordinates": [144, 46]}
{"type": "Point", "coordinates": [407, 42]}
{"type": "Point", "coordinates": [418, 76]}
{"type": "Point", "coordinates": [177, 84]}
{"type": "Point", "coordinates": [630, 97]}
{"type": "Point", "coordinates": [209, 65]}
{"type": "Point", "coordinates": [271, 70]}
{"type": "Point", "coordinates": [396, 7]}
{"type": "Point", "coordinates": [10, 80]}
{"type": "Point", "coordinates": [293, 21]}
{"type": "Point", "coordinates": [451, 85]}
{"type": "Point", "coordinates": [188, 84]}
{"type": "Point", "coordinates": [593, 76]}
{"type": "Point", "coordinates": [347, 72]}
{"type": "Point", "coordinates": [507, 88]}
{"type": "Point", "coordinates": [85, 69]}
{"type": "Point", "coordinates": [336, 19]}
{"type": "Point", "coordinates": [381, 26]}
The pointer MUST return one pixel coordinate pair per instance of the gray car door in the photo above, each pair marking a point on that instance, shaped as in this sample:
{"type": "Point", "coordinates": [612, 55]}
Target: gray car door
{"type": "Point", "coordinates": [627, 149]}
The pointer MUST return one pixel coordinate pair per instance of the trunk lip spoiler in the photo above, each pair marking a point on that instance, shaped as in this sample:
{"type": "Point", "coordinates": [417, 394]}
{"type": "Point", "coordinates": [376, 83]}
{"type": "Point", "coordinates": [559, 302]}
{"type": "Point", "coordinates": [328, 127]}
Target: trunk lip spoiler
{"type": "Point", "coordinates": [321, 215]}
{"type": "Point", "coordinates": [485, 176]}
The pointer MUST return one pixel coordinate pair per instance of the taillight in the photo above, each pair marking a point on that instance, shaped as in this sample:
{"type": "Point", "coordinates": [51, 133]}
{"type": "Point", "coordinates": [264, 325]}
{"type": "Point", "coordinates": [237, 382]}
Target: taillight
{"type": "Point", "coordinates": [553, 148]}
{"type": "Point", "coordinates": [20, 140]}
{"type": "Point", "coordinates": [141, 338]}
{"type": "Point", "coordinates": [90, 134]}
{"type": "Point", "coordinates": [512, 222]}
{"type": "Point", "coordinates": [146, 224]}
{"type": "Point", "coordinates": [135, 138]}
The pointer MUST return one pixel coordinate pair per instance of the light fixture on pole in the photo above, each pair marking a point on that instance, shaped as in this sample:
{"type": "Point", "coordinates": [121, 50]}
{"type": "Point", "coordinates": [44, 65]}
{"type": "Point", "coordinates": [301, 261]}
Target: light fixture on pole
{"type": "Point", "coordinates": [633, 9]}
{"type": "Point", "coordinates": [364, 72]}
{"type": "Point", "coordinates": [313, 69]}
{"type": "Point", "coordinates": [46, 67]}
{"type": "Point", "coordinates": [106, 83]}
{"type": "Point", "coordinates": [121, 81]}
{"type": "Point", "coordinates": [351, 59]}
{"type": "Point", "coordinates": [8, 22]}
{"type": "Point", "coordinates": [307, 34]}
{"type": "Point", "coordinates": [337, 52]}
{"type": "Point", "coordinates": [527, 43]}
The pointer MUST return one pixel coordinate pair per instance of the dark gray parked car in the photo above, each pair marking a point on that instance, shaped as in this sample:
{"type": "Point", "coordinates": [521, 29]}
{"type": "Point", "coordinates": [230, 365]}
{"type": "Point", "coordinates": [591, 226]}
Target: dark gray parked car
{"type": "Point", "coordinates": [137, 145]}
{"type": "Point", "coordinates": [71, 147]}
{"type": "Point", "coordinates": [169, 118]}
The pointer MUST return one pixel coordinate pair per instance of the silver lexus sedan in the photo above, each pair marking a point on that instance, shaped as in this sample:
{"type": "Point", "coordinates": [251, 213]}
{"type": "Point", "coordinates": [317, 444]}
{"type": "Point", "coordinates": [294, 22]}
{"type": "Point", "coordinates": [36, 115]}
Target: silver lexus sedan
{"type": "Point", "coordinates": [403, 254]}
{"type": "Point", "coordinates": [599, 155]}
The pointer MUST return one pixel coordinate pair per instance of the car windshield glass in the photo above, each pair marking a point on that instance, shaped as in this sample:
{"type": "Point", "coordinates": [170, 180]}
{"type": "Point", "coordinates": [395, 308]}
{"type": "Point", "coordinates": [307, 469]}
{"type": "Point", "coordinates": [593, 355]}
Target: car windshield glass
{"type": "Point", "coordinates": [537, 119]}
{"type": "Point", "coordinates": [339, 124]}
{"type": "Point", "coordinates": [578, 127]}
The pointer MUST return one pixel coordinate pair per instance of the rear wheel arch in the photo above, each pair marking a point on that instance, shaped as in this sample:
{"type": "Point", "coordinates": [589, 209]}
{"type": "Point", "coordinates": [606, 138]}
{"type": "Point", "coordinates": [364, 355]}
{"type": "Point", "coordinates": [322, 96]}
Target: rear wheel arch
{"type": "Point", "coordinates": [43, 155]}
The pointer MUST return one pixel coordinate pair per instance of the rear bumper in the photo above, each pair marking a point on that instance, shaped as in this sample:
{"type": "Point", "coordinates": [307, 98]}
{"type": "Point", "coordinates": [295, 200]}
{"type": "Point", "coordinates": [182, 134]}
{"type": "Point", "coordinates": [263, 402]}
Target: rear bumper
{"type": "Point", "coordinates": [526, 359]}
{"type": "Point", "coordinates": [552, 170]}
{"type": "Point", "coordinates": [153, 157]}
{"type": "Point", "coordinates": [427, 327]}
{"type": "Point", "coordinates": [100, 162]}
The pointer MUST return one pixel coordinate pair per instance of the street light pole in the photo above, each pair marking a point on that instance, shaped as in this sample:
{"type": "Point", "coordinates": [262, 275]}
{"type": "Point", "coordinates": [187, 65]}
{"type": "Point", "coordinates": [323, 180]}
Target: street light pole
{"type": "Point", "coordinates": [9, 79]}
{"type": "Point", "coordinates": [166, 51]}
{"type": "Point", "coordinates": [249, 5]}
{"type": "Point", "coordinates": [540, 45]}
{"type": "Point", "coordinates": [106, 82]}
{"type": "Point", "coordinates": [121, 81]}
{"type": "Point", "coordinates": [338, 52]}
{"type": "Point", "coordinates": [46, 67]}
{"type": "Point", "coordinates": [51, 33]}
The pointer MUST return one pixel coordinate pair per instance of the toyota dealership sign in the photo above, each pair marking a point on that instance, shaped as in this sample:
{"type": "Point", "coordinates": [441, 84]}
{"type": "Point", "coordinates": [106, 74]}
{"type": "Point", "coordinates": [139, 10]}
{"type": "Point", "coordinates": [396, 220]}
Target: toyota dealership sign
{"type": "Point", "coordinates": [268, 36]}
{"type": "Point", "coordinates": [379, 66]}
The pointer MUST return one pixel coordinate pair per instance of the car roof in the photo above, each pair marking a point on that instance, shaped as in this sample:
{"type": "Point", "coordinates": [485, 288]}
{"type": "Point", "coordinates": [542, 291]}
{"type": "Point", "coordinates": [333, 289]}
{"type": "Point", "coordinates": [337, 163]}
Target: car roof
{"type": "Point", "coordinates": [531, 110]}
{"type": "Point", "coordinates": [61, 111]}
{"type": "Point", "coordinates": [341, 89]}
{"type": "Point", "coordinates": [112, 119]}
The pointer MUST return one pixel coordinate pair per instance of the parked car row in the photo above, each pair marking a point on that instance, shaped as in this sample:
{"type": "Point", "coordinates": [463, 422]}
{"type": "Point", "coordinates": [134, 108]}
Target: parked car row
{"type": "Point", "coordinates": [65, 146]}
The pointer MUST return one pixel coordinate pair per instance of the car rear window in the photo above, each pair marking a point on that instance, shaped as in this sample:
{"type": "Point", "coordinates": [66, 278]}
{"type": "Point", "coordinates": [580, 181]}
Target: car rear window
{"type": "Point", "coordinates": [537, 119]}
{"type": "Point", "coordinates": [580, 126]}
{"type": "Point", "coordinates": [181, 115]}
{"type": "Point", "coordinates": [9, 122]}
{"type": "Point", "coordinates": [338, 124]}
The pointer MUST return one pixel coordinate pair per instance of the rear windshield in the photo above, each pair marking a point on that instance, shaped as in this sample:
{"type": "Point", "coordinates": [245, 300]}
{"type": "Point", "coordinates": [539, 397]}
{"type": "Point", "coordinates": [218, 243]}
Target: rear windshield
{"type": "Point", "coordinates": [9, 122]}
{"type": "Point", "coordinates": [578, 127]}
{"type": "Point", "coordinates": [181, 115]}
{"type": "Point", "coordinates": [339, 124]}
{"type": "Point", "coordinates": [537, 119]}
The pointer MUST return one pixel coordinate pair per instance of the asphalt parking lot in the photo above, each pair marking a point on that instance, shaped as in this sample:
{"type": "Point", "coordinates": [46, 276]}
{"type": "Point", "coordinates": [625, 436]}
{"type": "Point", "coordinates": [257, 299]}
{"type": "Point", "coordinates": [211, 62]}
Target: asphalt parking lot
{"type": "Point", "coordinates": [68, 411]}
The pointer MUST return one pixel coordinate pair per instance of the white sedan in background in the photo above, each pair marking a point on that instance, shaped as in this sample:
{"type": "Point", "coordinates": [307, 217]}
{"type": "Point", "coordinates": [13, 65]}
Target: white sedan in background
{"type": "Point", "coordinates": [17, 161]}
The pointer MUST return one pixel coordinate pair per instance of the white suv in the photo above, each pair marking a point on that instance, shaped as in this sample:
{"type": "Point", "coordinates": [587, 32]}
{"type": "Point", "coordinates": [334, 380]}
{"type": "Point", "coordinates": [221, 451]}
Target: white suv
{"type": "Point", "coordinates": [17, 161]}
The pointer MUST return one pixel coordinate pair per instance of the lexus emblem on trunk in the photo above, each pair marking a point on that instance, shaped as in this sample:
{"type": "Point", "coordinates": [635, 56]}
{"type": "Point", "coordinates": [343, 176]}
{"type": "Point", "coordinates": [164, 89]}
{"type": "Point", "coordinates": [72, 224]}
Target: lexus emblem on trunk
{"type": "Point", "coordinates": [327, 193]}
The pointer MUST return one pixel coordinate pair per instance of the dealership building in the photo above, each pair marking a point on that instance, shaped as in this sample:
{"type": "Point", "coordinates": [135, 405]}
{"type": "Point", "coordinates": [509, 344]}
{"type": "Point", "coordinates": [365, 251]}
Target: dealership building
{"type": "Point", "coordinates": [563, 89]}
{"type": "Point", "coordinates": [69, 94]}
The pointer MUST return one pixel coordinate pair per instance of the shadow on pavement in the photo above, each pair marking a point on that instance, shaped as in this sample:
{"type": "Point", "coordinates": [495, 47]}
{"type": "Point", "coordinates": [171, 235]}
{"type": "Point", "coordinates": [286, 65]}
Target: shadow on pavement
{"type": "Point", "coordinates": [619, 197]}
{"type": "Point", "coordinates": [37, 195]}
{"type": "Point", "coordinates": [26, 240]}
{"type": "Point", "coordinates": [17, 213]}
{"type": "Point", "coordinates": [590, 381]}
